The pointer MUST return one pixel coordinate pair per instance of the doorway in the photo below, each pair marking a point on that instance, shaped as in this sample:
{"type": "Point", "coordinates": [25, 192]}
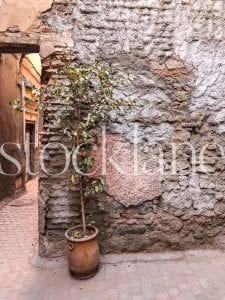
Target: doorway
{"type": "Point", "coordinates": [30, 150]}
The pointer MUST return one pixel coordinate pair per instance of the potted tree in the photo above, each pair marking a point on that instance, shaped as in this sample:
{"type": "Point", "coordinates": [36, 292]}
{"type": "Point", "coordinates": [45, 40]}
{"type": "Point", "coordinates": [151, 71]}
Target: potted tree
{"type": "Point", "coordinates": [87, 94]}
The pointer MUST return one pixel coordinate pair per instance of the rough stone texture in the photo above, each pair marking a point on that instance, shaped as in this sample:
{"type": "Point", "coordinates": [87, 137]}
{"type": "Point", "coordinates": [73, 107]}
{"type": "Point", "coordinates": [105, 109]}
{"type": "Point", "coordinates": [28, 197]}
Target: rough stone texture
{"type": "Point", "coordinates": [170, 53]}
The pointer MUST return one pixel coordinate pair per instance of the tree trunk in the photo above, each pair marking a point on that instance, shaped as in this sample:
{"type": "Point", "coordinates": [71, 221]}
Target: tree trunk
{"type": "Point", "coordinates": [83, 209]}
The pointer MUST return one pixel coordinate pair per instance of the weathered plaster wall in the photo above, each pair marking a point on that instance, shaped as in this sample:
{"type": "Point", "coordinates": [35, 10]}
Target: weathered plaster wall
{"type": "Point", "coordinates": [21, 14]}
{"type": "Point", "coordinates": [20, 26]}
{"type": "Point", "coordinates": [173, 51]}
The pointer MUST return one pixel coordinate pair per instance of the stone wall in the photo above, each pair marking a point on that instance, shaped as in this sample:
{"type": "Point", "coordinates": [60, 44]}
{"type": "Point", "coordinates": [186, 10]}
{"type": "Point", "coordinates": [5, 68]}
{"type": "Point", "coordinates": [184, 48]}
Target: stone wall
{"type": "Point", "coordinates": [58, 203]}
{"type": "Point", "coordinates": [171, 55]}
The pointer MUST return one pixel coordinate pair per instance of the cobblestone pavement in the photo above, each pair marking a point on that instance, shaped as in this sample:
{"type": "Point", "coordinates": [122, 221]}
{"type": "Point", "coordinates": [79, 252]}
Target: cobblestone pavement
{"type": "Point", "coordinates": [188, 275]}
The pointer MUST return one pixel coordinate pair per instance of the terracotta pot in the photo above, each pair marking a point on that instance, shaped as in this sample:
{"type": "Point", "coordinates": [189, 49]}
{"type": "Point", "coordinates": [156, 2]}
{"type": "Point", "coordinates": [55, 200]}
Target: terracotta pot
{"type": "Point", "coordinates": [83, 254]}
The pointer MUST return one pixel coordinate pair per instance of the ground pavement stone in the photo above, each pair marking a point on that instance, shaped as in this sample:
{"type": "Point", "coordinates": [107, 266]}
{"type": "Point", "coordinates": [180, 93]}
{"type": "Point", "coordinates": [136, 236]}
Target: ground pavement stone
{"type": "Point", "coordinates": [190, 275]}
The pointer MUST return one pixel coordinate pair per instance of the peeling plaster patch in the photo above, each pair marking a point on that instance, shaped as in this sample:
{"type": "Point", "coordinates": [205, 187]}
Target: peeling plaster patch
{"type": "Point", "coordinates": [129, 181]}
{"type": "Point", "coordinates": [49, 44]}
{"type": "Point", "coordinates": [47, 48]}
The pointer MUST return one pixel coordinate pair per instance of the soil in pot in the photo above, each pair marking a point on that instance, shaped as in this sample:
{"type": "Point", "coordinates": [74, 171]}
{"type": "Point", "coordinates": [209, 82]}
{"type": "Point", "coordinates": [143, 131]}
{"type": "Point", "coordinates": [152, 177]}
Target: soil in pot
{"type": "Point", "coordinates": [78, 233]}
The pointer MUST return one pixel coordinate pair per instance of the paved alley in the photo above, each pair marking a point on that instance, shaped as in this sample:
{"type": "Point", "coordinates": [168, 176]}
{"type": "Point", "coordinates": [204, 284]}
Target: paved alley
{"type": "Point", "coordinates": [188, 275]}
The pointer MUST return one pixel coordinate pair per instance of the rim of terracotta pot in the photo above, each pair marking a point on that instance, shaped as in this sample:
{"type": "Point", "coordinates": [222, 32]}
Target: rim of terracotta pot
{"type": "Point", "coordinates": [84, 239]}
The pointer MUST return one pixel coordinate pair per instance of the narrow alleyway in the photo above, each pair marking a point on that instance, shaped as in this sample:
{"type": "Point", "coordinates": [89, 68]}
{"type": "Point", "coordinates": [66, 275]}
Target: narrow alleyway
{"type": "Point", "coordinates": [18, 238]}
{"type": "Point", "coordinates": [190, 275]}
